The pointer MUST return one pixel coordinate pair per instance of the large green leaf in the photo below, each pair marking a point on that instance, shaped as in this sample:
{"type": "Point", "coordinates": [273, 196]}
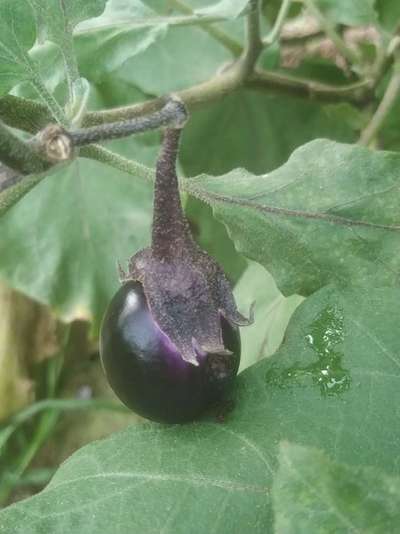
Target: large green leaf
{"type": "Point", "coordinates": [57, 20]}
{"type": "Point", "coordinates": [128, 38]}
{"type": "Point", "coordinates": [125, 51]}
{"type": "Point", "coordinates": [172, 58]}
{"type": "Point", "coordinates": [60, 244]}
{"type": "Point", "coordinates": [333, 385]}
{"type": "Point", "coordinates": [314, 495]}
{"type": "Point", "coordinates": [330, 214]}
{"type": "Point", "coordinates": [113, 47]}
{"type": "Point", "coordinates": [17, 36]}
{"type": "Point", "coordinates": [136, 13]}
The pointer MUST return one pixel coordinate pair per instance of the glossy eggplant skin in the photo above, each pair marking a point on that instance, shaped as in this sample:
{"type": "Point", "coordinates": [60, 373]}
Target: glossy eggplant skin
{"type": "Point", "coordinates": [146, 371]}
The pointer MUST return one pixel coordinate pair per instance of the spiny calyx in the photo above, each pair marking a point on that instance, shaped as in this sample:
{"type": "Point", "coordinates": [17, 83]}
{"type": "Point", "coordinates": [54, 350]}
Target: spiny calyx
{"type": "Point", "coordinates": [186, 290]}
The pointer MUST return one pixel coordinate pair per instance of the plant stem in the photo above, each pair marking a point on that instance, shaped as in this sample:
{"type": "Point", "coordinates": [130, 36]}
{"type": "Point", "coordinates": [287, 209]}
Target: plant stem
{"type": "Point", "coordinates": [228, 81]}
{"type": "Point", "coordinates": [22, 185]}
{"type": "Point", "coordinates": [65, 405]}
{"type": "Point", "coordinates": [357, 93]}
{"type": "Point", "coordinates": [277, 28]}
{"type": "Point", "coordinates": [107, 157]}
{"type": "Point", "coordinates": [52, 409]}
{"type": "Point", "coordinates": [47, 98]}
{"type": "Point", "coordinates": [18, 155]}
{"type": "Point", "coordinates": [389, 98]}
{"type": "Point", "coordinates": [48, 141]}
{"type": "Point", "coordinates": [23, 113]}
{"type": "Point", "coordinates": [170, 230]}
{"type": "Point", "coordinates": [167, 116]}
{"type": "Point", "coordinates": [253, 40]}
{"type": "Point", "coordinates": [71, 69]}
{"type": "Point", "coordinates": [42, 431]}
{"type": "Point", "coordinates": [132, 111]}
{"type": "Point", "coordinates": [8, 177]}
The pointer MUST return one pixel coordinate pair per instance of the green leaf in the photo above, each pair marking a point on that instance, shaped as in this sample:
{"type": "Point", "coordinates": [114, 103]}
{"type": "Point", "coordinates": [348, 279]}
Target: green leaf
{"type": "Point", "coordinates": [272, 312]}
{"type": "Point", "coordinates": [125, 50]}
{"type": "Point", "coordinates": [114, 47]}
{"type": "Point", "coordinates": [228, 9]}
{"type": "Point", "coordinates": [60, 244]}
{"type": "Point", "coordinates": [136, 14]}
{"type": "Point", "coordinates": [172, 58]}
{"type": "Point", "coordinates": [247, 129]}
{"type": "Point", "coordinates": [121, 11]}
{"type": "Point", "coordinates": [346, 113]}
{"type": "Point", "coordinates": [330, 214]}
{"type": "Point", "coordinates": [17, 36]}
{"type": "Point", "coordinates": [354, 13]}
{"type": "Point", "coordinates": [129, 37]}
{"type": "Point", "coordinates": [121, 32]}
{"type": "Point", "coordinates": [314, 494]}
{"type": "Point", "coordinates": [224, 8]}
{"type": "Point", "coordinates": [327, 387]}
{"type": "Point", "coordinates": [57, 19]}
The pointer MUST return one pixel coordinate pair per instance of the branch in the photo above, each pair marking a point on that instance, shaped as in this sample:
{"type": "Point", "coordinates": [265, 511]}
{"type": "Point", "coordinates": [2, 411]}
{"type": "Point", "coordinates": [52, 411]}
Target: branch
{"type": "Point", "coordinates": [19, 155]}
{"type": "Point", "coordinates": [22, 186]}
{"type": "Point", "coordinates": [169, 115]}
{"type": "Point", "coordinates": [23, 113]}
{"type": "Point", "coordinates": [8, 177]}
{"type": "Point", "coordinates": [94, 118]}
{"type": "Point", "coordinates": [228, 81]}
{"type": "Point", "coordinates": [116, 161]}
{"type": "Point", "coordinates": [384, 108]}
{"type": "Point", "coordinates": [193, 97]}
{"type": "Point", "coordinates": [47, 98]}
{"type": "Point", "coordinates": [277, 28]}
{"type": "Point", "coordinates": [55, 144]}
{"type": "Point", "coordinates": [254, 44]}
{"type": "Point", "coordinates": [358, 93]}
{"type": "Point", "coordinates": [31, 116]}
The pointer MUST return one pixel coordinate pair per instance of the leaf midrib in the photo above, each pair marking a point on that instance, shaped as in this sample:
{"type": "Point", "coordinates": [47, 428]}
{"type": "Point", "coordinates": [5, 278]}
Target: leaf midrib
{"type": "Point", "coordinates": [209, 197]}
